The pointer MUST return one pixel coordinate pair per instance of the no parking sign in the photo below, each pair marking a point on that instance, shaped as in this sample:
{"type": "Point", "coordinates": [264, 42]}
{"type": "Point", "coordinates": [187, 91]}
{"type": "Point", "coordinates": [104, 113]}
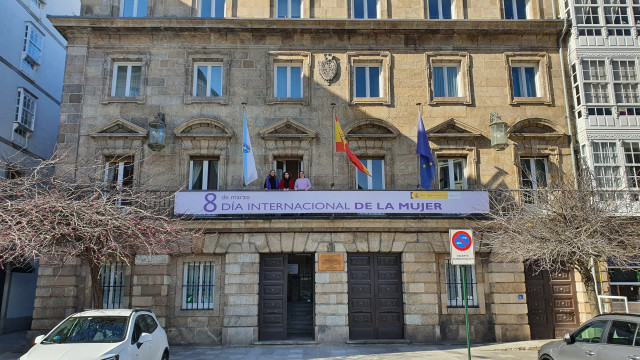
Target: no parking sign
{"type": "Point", "coordinates": [462, 247]}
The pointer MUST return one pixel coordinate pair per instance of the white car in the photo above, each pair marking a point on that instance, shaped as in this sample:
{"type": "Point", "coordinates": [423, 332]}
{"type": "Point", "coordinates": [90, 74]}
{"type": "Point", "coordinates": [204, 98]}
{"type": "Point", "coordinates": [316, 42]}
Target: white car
{"type": "Point", "coordinates": [109, 334]}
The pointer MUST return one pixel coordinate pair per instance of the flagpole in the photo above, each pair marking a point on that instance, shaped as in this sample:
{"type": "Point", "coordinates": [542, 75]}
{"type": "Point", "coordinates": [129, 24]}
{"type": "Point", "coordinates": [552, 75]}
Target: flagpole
{"type": "Point", "coordinates": [333, 145]}
{"type": "Point", "coordinates": [244, 185]}
{"type": "Point", "coordinates": [418, 155]}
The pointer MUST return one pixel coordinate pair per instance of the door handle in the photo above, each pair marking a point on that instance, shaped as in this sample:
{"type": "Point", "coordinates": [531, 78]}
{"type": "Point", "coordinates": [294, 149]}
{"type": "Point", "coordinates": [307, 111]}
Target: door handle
{"type": "Point", "coordinates": [589, 353]}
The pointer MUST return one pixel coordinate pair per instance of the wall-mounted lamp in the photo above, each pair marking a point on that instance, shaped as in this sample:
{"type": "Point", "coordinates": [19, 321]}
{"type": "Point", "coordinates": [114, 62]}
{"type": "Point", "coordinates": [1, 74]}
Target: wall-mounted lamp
{"type": "Point", "coordinates": [156, 132]}
{"type": "Point", "coordinates": [498, 129]}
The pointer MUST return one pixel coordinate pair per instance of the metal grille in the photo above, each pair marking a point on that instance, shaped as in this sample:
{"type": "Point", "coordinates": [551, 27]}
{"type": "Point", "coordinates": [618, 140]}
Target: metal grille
{"type": "Point", "coordinates": [198, 285]}
{"type": "Point", "coordinates": [113, 285]}
{"type": "Point", "coordinates": [455, 298]}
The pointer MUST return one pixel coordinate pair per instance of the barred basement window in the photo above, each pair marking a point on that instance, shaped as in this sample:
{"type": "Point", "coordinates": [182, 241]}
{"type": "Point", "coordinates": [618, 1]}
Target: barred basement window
{"type": "Point", "coordinates": [455, 298]}
{"type": "Point", "coordinates": [198, 285]}
{"type": "Point", "coordinates": [112, 278]}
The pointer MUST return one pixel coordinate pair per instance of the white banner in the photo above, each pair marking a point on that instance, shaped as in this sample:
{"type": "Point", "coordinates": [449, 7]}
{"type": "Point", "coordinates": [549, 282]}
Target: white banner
{"type": "Point", "coordinates": [207, 203]}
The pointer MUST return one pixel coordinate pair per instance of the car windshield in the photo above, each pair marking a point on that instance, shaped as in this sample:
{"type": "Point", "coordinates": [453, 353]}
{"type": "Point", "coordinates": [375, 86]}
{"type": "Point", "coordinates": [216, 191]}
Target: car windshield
{"type": "Point", "coordinates": [97, 329]}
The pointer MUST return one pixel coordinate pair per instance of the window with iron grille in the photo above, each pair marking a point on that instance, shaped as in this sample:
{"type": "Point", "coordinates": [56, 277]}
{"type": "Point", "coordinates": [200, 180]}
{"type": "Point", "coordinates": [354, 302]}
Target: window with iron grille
{"type": "Point", "coordinates": [455, 297]}
{"type": "Point", "coordinates": [112, 279]}
{"type": "Point", "coordinates": [198, 285]}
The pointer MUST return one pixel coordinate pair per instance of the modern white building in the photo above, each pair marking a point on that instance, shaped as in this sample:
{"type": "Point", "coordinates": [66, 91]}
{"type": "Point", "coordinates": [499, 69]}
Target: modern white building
{"type": "Point", "coordinates": [604, 59]}
{"type": "Point", "coordinates": [32, 60]}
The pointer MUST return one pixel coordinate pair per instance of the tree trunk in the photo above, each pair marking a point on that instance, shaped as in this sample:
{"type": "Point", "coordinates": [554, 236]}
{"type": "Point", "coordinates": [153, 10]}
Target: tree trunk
{"type": "Point", "coordinates": [590, 287]}
{"type": "Point", "coordinates": [96, 285]}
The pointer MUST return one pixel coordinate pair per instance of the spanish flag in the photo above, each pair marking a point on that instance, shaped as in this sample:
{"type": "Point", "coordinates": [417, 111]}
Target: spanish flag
{"type": "Point", "coordinates": [342, 146]}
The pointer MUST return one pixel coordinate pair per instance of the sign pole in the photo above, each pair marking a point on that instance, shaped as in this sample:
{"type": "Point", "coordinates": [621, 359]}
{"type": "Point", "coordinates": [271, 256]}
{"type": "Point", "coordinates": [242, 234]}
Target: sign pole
{"type": "Point", "coordinates": [466, 310]}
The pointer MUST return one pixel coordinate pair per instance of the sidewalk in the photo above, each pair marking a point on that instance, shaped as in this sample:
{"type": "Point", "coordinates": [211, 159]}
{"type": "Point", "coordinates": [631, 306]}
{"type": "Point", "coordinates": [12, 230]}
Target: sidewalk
{"type": "Point", "coordinates": [13, 345]}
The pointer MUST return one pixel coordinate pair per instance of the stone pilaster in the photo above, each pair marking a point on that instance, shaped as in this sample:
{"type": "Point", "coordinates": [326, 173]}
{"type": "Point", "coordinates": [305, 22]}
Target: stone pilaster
{"type": "Point", "coordinates": [151, 281]}
{"type": "Point", "coordinates": [331, 304]}
{"type": "Point", "coordinates": [420, 283]}
{"type": "Point", "coordinates": [240, 319]}
{"type": "Point", "coordinates": [506, 282]}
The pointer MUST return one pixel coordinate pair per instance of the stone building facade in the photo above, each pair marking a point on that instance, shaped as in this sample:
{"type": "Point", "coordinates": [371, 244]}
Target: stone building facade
{"type": "Point", "coordinates": [498, 65]}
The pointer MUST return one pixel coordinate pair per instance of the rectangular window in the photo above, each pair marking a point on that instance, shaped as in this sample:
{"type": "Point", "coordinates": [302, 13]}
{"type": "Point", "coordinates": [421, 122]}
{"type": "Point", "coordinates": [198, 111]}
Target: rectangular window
{"type": "Point", "coordinates": [446, 80]}
{"type": "Point", "coordinates": [198, 285]}
{"type": "Point", "coordinates": [126, 80]}
{"type": "Point", "coordinates": [632, 164]}
{"type": "Point", "coordinates": [292, 166]}
{"type": "Point", "coordinates": [636, 12]}
{"type": "Point", "coordinates": [112, 279]}
{"type": "Point", "coordinates": [288, 81]}
{"type": "Point", "coordinates": [596, 86]}
{"type": "Point", "coordinates": [605, 160]}
{"type": "Point", "coordinates": [587, 15]}
{"type": "Point", "coordinates": [452, 174]}
{"type": "Point", "coordinates": [207, 80]}
{"type": "Point", "coordinates": [365, 9]}
{"type": "Point", "coordinates": [118, 174]}
{"type": "Point", "coordinates": [535, 173]}
{"type": "Point", "coordinates": [455, 296]}
{"type": "Point", "coordinates": [625, 82]}
{"type": "Point", "coordinates": [625, 281]}
{"type": "Point", "coordinates": [26, 109]}
{"type": "Point", "coordinates": [373, 182]}
{"type": "Point", "coordinates": [524, 80]}
{"type": "Point", "coordinates": [616, 15]}
{"type": "Point", "coordinates": [289, 8]}
{"type": "Point", "coordinates": [203, 174]}
{"type": "Point", "coordinates": [515, 9]}
{"type": "Point", "coordinates": [440, 9]}
{"type": "Point", "coordinates": [32, 46]}
{"type": "Point", "coordinates": [368, 81]}
{"type": "Point", "coordinates": [133, 8]}
{"type": "Point", "coordinates": [211, 8]}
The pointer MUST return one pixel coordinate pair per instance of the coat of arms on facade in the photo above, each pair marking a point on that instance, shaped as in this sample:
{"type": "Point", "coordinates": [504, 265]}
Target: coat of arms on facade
{"type": "Point", "coordinates": [328, 67]}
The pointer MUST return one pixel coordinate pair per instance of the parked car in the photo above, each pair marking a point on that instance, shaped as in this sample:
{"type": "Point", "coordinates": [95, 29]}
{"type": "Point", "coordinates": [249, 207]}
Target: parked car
{"type": "Point", "coordinates": [109, 334]}
{"type": "Point", "coordinates": [605, 337]}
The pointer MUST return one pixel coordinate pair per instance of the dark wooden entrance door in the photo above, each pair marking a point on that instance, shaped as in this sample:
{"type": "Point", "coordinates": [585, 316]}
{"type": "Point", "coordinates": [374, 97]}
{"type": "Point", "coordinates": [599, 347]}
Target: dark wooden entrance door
{"type": "Point", "coordinates": [552, 303]}
{"type": "Point", "coordinates": [375, 296]}
{"type": "Point", "coordinates": [272, 309]}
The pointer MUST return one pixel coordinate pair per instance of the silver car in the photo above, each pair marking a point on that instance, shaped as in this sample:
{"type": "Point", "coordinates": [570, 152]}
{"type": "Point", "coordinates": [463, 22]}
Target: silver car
{"type": "Point", "coordinates": [605, 337]}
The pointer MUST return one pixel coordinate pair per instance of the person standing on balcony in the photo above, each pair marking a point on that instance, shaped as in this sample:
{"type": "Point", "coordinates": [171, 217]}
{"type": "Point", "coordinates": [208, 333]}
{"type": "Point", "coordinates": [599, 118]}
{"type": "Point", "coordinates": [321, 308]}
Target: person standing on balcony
{"type": "Point", "coordinates": [302, 183]}
{"type": "Point", "coordinates": [271, 183]}
{"type": "Point", "coordinates": [286, 183]}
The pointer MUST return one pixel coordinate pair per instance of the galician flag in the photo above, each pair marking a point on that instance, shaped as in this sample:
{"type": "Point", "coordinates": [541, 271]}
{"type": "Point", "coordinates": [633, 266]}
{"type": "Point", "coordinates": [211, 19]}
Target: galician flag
{"type": "Point", "coordinates": [248, 162]}
{"type": "Point", "coordinates": [342, 146]}
{"type": "Point", "coordinates": [427, 164]}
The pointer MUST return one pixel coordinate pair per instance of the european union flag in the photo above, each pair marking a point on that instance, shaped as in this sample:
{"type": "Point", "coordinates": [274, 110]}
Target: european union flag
{"type": "Point", "coordinates": [427, 164]}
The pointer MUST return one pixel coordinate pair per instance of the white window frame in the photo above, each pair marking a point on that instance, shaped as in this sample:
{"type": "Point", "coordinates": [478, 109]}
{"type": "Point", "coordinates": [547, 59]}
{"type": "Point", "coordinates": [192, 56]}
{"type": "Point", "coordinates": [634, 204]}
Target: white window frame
{"type": "Point", "coordinates": [367, 66]}
{"type": "Point", "coordinates": [633, 179]}
{"type": "Point", "coordinates": [135, 8]}
{"type": "Point", "coordinates": [208, 90]}
{"type": "Point", "coordinates": [534, 175]}
{"type": "Point", "coordinates": [24, 95]}
{"type": "Point", "coordinates": [288, 66]}
{"type": "Point", "coordinates": [446, 66]}
{"type": "Point", "coordinates": [194, 305]}
{"type": "Point", "coordinates": [213, 9]}
{"type": "Point", "coordinates": [631, 83]}
{"type": "Point", "coordinates": [120, 180]}
{"type": "Point", "coordinates": [289, 7]}
{"type": "Point", "coordinates": [440, 13]}
{"type": "Point", "coordinates": [527, 14]}
{"type": "Point", "coordinates": [522, 78]}
{"type": "Point", "coordinates": [205, 173]}
{"type": "Point", "coordinates": [615, 164]}
{"type": "Point", "coordinates": [366, 10]}
{"type": "Point", "coordinates": [116, 279]}
{"type": "Point", "coordinates": [604, 81]}
{"type": "Point", "coordinates": [456, 303]}
{"type": "Point", "coordinates": [369, 165]}
{"type": "Point", "coordinates": [451, 174]}
{"type": "Point", "coordinates": [32, 57]}
{"type": "Point", "coordinates": [114, 78]}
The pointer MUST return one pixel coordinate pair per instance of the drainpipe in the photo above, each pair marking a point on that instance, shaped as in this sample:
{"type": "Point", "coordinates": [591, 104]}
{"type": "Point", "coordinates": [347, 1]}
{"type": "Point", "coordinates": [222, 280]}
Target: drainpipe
{"type": "Point", "coordinates": [566, 100]}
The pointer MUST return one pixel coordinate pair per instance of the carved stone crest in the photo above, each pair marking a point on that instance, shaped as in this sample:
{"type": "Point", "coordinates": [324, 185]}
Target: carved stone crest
{"type": "Point", "coordinates": [328, 67]}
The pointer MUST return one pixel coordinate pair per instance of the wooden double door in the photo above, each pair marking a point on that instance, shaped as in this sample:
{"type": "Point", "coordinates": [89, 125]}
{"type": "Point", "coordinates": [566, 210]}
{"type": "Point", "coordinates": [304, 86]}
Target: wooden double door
{"type": "Point", "coordinates": [375, 296]}
{"type": "Point", "coordinates": [552, 303]}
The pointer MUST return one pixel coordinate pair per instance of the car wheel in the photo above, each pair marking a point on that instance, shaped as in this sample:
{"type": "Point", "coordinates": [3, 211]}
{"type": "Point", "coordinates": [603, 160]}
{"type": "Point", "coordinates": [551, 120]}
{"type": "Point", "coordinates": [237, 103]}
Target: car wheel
{"type": "Point", "coordinates": [165, 355]}
{"type": "Point", "coordinates": [545, 357]}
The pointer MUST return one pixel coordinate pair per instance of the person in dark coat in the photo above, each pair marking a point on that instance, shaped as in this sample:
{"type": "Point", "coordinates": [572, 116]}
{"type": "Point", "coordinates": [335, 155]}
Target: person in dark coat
{"type": "Point", "coordinates": [272, 182]}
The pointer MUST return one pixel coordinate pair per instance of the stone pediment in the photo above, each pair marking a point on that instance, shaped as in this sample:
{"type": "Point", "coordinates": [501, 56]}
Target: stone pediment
{"type": "Point", "coordinates": [204, 128]}
{"type": "Point", "coordinates": [371, 129]}
{"type": "Point", "coordinates": [118, 128]}
{"type": "Point", "coordinates": [287, 129]}
{"type": "Point", "coordinates": [534, 128]}
{"type": "Point", "coordinates": [453, 129]}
